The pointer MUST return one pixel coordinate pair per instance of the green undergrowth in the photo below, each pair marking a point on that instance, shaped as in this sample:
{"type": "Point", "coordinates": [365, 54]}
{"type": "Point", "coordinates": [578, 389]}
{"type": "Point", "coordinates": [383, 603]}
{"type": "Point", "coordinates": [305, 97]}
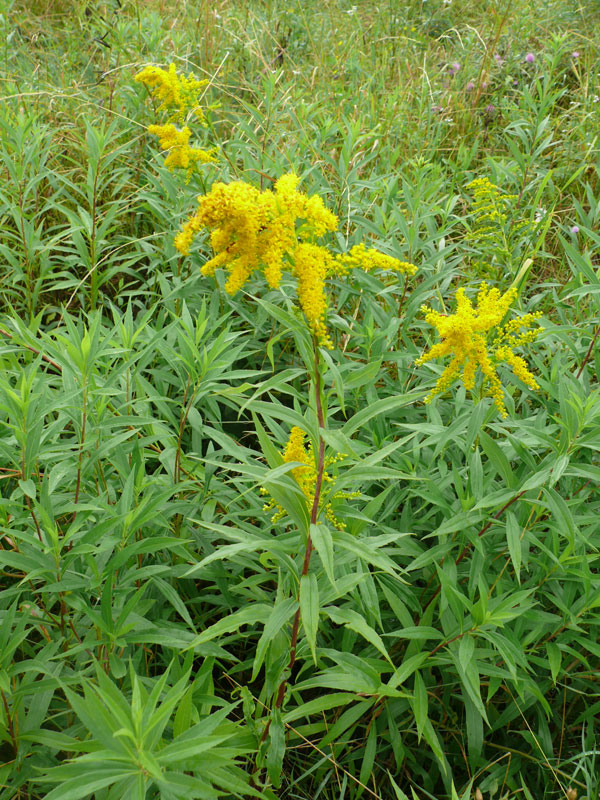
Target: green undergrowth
{"type": "Point", "coordinates": [449, 639]}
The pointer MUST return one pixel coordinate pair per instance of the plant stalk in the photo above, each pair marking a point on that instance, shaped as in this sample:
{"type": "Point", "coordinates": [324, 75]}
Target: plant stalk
{"type": "Point", "coordinates": [314, 514]}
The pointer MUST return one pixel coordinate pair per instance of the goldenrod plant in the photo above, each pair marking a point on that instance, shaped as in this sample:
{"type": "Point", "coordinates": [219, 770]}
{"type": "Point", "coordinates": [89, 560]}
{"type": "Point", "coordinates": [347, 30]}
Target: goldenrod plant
{"type": "Point", "coordinates": [275, 231]}
{"type": "Point", "coordinates": [500, 235]}
{"type": "Point", "coordinates": [299, 420]}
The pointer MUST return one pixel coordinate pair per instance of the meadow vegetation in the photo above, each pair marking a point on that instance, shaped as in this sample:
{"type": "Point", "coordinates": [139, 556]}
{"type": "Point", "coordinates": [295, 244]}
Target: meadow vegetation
{"type": "Point", "coordinates": [299, 402]}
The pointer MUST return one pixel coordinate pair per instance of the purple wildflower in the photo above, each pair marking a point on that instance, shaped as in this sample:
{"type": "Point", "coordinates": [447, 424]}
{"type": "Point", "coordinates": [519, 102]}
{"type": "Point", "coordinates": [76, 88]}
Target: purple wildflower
{"type": "Point", "coordinates": [470, 86]}
{"type": "Point", "coordinates": [575, 229]}
{"type": "Point", "coordinates": [575, 54]}
{"type": "Point", "coordinates": [530, 58]}
{"type": "Point", "coordinates": [499, 59]}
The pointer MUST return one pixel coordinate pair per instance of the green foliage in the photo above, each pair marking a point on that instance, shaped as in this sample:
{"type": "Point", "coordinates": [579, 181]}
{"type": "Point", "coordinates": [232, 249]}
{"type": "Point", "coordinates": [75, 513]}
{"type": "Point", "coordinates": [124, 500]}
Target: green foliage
{"type": "Point", "coordinates": [447, 634]}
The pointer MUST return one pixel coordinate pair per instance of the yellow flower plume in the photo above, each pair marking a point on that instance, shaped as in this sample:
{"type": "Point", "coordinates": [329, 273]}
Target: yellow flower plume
{"type": "Point", "coordinates": [272, 231]}
{"type": "Point", "coordinates": [177, 93]}
{"type": "Point", "coordinates": [466, 337]}
{"type": "Point", "coordinates": [180, 153]}
{"type": "Point", "coordinates": [181, 96]}
{"type": "Point", "coordinates": [361, 257]}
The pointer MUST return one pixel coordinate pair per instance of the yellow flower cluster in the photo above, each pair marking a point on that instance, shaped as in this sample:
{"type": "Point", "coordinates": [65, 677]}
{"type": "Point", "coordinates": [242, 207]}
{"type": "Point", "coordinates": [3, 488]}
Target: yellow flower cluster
{"type": "Point", "coordinates": [493, 229]}
{"type": "Point", "coordinates": [306, 477]}
{"type": "Point", "coordinates": [361, 257]}
{"type": "Point", "coordinates": [180, 95]}
{"type": "Point", "coordinates": [465, 335]}
{"type": "Point", "coordinates": [489, 206]}
{"type": "Point", "coordinates": [269, 231]}
{"type": "Point", "coordinates": [180, 153]}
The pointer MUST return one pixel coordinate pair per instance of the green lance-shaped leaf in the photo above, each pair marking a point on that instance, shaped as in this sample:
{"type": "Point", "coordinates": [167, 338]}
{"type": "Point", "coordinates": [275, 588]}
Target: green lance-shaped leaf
{"type": "Point", "coordinates": [323, 543]}
{"type": "Point", "coordinates": [353, 620]}
{"type": "Point", "coordinates": [419, 703]}
{"type": "Point", "coordinates": [309, 610]}
{"type": "Point", "coordinates": [276, 749]}
{"type": "Point", "coordinates": [280, 614]}
{"type": "Point", "coordinates": [513, 539]}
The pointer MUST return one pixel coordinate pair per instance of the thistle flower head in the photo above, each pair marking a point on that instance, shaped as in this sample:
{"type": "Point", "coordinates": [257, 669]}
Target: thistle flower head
{"type": "Point", "coordinates": [475, 338]}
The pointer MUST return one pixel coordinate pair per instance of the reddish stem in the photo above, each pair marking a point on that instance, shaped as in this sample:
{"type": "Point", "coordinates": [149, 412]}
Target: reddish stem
{"type": "Point", "coordinates": [309, 545]}
{"type": "Point", "coordinates": [589, 352]}
{"type": "Point", "coordinates": [467, 547]}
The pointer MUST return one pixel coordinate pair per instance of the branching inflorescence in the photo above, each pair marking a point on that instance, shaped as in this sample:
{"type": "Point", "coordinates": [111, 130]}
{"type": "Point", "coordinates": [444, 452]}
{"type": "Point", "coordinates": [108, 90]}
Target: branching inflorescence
{"type": "Point", "coordinates": [495, 232]}
{"type": "Point", "coordinates": [179, 95]}
{"type": "Point", "coordinates": [272, 231]}
{"type": "Point", "coordinates": [476, 338]}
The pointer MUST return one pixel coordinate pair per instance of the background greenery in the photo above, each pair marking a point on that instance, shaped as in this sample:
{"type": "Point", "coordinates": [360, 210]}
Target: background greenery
{"type": "Point", "coordinates": [146, 596]}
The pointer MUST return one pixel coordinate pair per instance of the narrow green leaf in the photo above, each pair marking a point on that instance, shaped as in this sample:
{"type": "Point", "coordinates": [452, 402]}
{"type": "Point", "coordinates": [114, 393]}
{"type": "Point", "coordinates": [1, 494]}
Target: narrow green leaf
{"type": "Point", "coordinates": [318, 705]}
{"type": "Point", "coordinates": [276, 750]}
{"type": "Point", "coordinates": [513, 539]}
{"type": "Point", "coordinates": [369, 756]}
{"type": "Point", "coordinates": [279, 615]}
{"type": "Point", "coordinates": [406, 669]}
{"type": "Point", "coordinates": [496, 455]}
{"type": "Point", "coordinates": [353, 620]}
{"type": "Point", "coordinates": [309, 609]}
{"type": "Point", "coordinates": [420, 704]}
{"type": "Point", "coordinates": [321, 538]}
{"type": "Point", "coordinates": [466, 649]}
{"type": "Point", "coordinates": [87, 781]}
{"type": "Point", "coordinates": [432, 740]}
{"type": "Point", "coordinates": [554, 654]}
{"type": "Point", "coordinates": [378, 408]}
{"type": "Point", "coordinates": [346, 720]}
{"type": "Point", "coordinates": [474, 725]}
{"type": "Point", "coordinates": [28, 488]}
{"type": "Point", "coordinates": [183, 715]}
{"type": "Point", "coordinates": [397, 790]}
{"type": "Point", "coordinates": [250, 615]}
